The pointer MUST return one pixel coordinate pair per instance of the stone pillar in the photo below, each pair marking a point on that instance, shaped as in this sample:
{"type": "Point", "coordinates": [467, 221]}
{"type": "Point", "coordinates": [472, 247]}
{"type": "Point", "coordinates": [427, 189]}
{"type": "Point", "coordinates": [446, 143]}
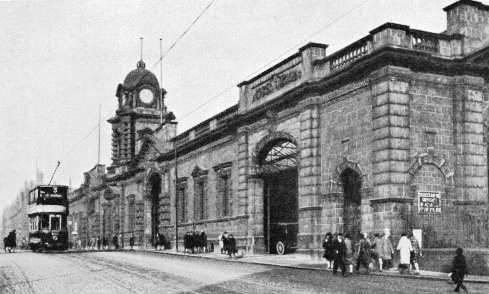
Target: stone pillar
{"type": "Point", "coordinates": [309, 174]}
{"type": "Point", "coordinates": [391, 136]}
{"type": "Point", "coordinates": [256, 220]}
{"type": "Point", "coordinates": [470, 153]}
{"type": "Point", "coordinates": [243, 172]}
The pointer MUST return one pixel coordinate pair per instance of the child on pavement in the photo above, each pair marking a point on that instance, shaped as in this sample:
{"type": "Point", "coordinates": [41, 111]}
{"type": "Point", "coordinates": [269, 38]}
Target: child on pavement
{"type": "Point", "coordinates": [459, 270]}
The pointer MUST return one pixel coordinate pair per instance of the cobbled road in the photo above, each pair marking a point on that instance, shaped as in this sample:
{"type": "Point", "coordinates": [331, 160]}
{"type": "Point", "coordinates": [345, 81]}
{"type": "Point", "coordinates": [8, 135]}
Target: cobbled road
{"type": "Point", "coordinates": [144, 272]}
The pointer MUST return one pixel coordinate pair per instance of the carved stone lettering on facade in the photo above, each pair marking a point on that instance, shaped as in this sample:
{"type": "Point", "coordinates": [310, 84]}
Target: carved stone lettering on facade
{"type": "Point", "coordinates": [276, 82]}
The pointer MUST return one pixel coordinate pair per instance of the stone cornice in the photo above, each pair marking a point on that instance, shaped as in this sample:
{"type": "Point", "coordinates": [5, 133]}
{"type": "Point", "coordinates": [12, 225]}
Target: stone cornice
{"type": "Point", "coordinates": [215, 220]}
{"type": "Point", "coordinates": [469, 202]}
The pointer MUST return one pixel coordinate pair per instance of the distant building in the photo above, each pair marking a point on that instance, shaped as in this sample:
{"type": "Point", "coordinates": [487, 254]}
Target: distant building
{"type": "Point", "coordinates": [388, 132]}
{"type": "Point", "coordinates": [14, 216]}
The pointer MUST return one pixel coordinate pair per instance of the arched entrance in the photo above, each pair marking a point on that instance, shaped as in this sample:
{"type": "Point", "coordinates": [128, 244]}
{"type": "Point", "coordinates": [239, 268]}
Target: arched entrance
{"type": "Point", "coordinates": [278, 161]}
{"type": "Point", "coordinates": [155, 190]}
{"type": "Point", "coordinates": [352, 213]}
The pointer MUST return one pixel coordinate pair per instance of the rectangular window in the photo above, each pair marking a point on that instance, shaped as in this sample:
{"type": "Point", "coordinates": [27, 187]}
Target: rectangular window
{"type": "Point", "coordinates": [225, 196]}
{"type": "Point", "coordinates": [132, 215]}
{"type": "Point", "coordinates": [45, 222]}
{"type": "Point", "coordinates": [55, 222]}
{"type": "Point", "coordinates": [430, 138]}
{"type": "Point", "coordinates": [182, 201]}
{"type": "Point", "coordinates": [200, 197]}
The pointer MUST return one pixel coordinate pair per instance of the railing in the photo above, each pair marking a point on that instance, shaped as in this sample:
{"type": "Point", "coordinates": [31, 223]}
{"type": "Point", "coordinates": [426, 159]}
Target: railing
{"type": "Point", "coordinates": [413, 40]}
{"type": "Point", "coordinates": [425, 41]}
{"type": "Point", "coordinates": [350, 53]}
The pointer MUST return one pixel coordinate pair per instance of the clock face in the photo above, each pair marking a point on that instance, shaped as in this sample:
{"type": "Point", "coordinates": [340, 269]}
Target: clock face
{"type": "Point", "coordinates": [146, 96]}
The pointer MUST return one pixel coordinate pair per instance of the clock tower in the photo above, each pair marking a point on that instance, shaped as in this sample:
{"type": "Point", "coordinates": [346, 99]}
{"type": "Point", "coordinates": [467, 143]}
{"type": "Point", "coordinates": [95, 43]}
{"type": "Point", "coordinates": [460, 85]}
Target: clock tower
{"type": "Point", "coordinates": [141, 106]}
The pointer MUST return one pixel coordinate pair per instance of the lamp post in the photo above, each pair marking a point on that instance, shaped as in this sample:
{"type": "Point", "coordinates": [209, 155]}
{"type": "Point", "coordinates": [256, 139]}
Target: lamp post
{"type": "Point", "coordinates": [176, 199]}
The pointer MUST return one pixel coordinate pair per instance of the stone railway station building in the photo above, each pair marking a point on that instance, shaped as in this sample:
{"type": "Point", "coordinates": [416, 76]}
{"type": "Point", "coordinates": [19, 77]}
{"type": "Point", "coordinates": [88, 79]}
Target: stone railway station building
{"type": "Point", "coordinates": [388, 132]}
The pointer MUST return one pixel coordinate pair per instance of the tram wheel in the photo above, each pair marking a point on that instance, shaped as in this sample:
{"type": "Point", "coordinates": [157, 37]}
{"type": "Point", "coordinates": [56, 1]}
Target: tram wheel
{"type": "Point", "coordinates": [280, 248]}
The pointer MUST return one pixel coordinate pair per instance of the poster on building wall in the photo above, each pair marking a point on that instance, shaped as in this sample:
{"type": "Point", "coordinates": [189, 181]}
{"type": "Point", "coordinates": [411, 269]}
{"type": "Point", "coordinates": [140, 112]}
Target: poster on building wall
{"type": "Point", "coordinates": [429, 202]}
{"type": "Point", "coordinates": [418, 234]}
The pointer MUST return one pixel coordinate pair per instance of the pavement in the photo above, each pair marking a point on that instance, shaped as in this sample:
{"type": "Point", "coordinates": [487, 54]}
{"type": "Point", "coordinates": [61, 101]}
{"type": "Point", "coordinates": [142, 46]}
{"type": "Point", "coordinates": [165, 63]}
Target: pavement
{"type": "Point", "coordinates": [302, 261]}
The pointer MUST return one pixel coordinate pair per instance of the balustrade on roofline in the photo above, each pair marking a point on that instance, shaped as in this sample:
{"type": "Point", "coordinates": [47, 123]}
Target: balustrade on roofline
{"type": "Point", "coordinates": [414, 40]}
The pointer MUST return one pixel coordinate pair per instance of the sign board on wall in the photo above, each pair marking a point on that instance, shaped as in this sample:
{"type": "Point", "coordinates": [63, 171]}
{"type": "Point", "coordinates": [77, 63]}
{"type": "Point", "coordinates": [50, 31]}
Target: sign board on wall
{"type": "Point", "coordinates": [429, 202]}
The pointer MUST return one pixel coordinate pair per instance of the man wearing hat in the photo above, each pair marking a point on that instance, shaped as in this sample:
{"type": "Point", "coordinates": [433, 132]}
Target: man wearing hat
{"type": "Point", "coordinates": [339, 253]}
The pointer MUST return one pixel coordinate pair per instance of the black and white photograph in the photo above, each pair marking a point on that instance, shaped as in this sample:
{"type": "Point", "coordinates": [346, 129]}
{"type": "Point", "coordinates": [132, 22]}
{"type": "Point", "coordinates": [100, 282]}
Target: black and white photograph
{"type": "Point", "coordinates": [241, 147]}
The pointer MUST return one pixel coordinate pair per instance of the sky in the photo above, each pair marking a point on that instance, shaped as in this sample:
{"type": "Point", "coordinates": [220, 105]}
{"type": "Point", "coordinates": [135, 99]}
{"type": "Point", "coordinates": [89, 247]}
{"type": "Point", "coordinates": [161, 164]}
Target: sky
{"type": "Point", "coordinates": [61, 61]}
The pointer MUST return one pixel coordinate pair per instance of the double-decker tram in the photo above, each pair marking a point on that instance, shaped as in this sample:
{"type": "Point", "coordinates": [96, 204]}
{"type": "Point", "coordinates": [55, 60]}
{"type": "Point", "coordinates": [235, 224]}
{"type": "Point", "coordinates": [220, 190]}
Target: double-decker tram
{"type": "Point", "coordinates": [48, 212]}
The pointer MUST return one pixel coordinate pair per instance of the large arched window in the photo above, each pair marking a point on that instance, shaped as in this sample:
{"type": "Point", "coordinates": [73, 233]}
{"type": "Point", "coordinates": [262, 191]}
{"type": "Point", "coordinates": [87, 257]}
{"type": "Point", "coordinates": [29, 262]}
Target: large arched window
{"type": "Point", "coordinates": [277, 156]}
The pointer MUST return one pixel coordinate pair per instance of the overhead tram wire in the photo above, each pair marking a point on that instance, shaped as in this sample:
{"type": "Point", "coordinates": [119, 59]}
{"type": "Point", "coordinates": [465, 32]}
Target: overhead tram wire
{"type": "Point", "coordinates": [275, 59]}
{"type": "Point", "coordinates": [137, 84]}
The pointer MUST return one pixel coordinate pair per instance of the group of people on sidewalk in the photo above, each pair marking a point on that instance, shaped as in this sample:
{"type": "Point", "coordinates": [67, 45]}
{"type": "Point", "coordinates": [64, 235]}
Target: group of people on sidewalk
{"type": "Point", "coordinates": [227, 243]}
{"type": "Point", "coordinates": [339, 251]}
{"type": "Point", "coordinates": [98, 243]}
{"type": "Point", "coordinates": [10, 242]}
{"type": "Point", "coordinates": [196, 242]}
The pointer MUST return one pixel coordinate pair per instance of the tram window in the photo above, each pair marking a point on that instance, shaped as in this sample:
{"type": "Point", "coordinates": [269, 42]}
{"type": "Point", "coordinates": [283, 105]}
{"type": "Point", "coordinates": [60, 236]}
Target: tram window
{"type": "Point", "coordinates": [55, 223]}
{"type": "Point", "coordinates": [45, 222]}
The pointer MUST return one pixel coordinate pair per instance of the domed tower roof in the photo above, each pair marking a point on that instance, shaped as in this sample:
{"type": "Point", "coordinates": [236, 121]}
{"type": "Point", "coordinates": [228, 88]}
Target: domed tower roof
{"type": "Point", "coordinates": [140, 76]}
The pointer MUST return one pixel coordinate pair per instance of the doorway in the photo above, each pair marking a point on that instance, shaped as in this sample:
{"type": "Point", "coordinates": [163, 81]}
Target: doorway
{"type": "Point", "coordinates": [352, 212]}
{"type": "Point", "coordinates": [155, 190]}
{"type": "Point", "coordinates": [281, 214]}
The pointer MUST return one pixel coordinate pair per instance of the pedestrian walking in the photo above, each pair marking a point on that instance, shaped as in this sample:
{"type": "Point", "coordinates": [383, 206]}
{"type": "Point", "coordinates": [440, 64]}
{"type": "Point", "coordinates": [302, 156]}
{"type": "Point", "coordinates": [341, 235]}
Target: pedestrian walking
{"type": "Point", "coordinates": [459, 270]}
{"type": "Point", "coordinates": [328, 249]}
{"type": "Point", "coordinates": [415, 254]}
{"type": "Point", "coordinates": [5, 244]}
{"type": "Point", "coordinates": [12, 241]}
{"type": "Point", "coordinates": [156, 241]}
{"type": "Point", "coordinates": [121, 241]}
{"type": "Point", "coordinates": [387, 250]}
{"type": "Point", "coordinates": [232, 247]}
{"type": "Point", "coordinates": [349, 254]}
{"type": "Point", "coordinates": [115, 242]}
{"type": "Point", "coordinates": [131, 241]}
{"type": "Point", "coordinates": [377, 250]}
{"type": "Point", "coordinates": [224, 239]}
{"type": "Point", "coordinates": [105, 243]}
{"type": "Point", "coordinates": [202, 241]}
{"type": "Point", "coordinates": [339, 253]}
{"type": "Point", "coordinates": [404, 246]}
{"type": "Point", "coordinates": [161, 241]}
{"type": "Point", "coordinates": [98, 243]}
{"type": "Point", "coordinates": [188, 242]}
{"type": "Point", "coordinates": [221, 243]}
{"type": "Point", "coordinates": [195, 241]}
{"type": "Point", "coordinates": [363, 253]}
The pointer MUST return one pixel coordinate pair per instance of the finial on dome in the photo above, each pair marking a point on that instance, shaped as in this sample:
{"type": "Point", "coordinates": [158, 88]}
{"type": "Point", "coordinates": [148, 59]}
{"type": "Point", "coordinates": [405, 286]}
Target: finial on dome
{"type": "Point", "coordinates": [141, 64]}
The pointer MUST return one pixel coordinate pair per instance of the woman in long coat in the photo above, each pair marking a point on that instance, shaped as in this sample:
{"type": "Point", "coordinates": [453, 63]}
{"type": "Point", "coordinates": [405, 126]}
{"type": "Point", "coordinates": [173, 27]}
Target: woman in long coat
{"type": "Point", "coordinates": [405, 249]}
{"type": "Point", "coordinates": [328, 249]}
{"type": "Point", "coordinates": [232, 246]}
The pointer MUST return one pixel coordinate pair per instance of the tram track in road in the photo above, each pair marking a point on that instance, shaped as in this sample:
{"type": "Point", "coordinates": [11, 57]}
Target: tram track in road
{"type": "Point", "coordinates": [234, 285]}
{"type": "Point", "coordinates": [120, 267]}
